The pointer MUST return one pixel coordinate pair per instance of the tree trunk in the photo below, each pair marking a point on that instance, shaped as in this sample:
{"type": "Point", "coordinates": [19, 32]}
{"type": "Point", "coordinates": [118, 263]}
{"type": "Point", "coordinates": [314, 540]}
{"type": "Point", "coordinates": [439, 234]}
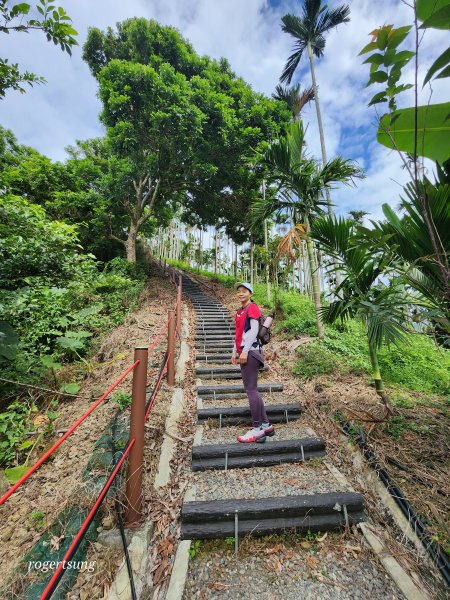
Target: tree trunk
{"type": "Point", "coordinates": [252, 279]}
{"type": "Point", "coordinates": [375, 369]}
{"type": "Point", "coordinates": [216, 235]}
{"type": "Point", "coordinates": [266, 247]}
{"type": "Point", "coordinates": [322, 140]}
{"type": "Point", "coordinates": [319, 119]}
{"type": "Point", "coordinates": [130, 244]}
{"type": "Point", "coordinates": [315, 281]}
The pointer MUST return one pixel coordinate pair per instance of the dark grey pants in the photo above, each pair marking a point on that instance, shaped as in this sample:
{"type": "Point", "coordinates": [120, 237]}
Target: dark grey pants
{"type": "Point", "coordinates": [249, 373]}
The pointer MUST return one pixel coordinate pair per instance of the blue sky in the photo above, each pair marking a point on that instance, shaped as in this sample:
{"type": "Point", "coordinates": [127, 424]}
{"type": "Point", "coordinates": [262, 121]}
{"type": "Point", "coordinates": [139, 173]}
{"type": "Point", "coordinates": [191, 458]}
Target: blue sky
{"type": "Point", "coordinates": [248, 34]}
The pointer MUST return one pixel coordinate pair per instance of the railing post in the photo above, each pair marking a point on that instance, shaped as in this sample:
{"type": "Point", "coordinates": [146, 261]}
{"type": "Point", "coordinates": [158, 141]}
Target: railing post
{"type": "Point", "coordinates": [179, 293]}
{"type": "Point", "coordinates": [171, 349]}
{"type": "Point", "coordinates": [135, 463]}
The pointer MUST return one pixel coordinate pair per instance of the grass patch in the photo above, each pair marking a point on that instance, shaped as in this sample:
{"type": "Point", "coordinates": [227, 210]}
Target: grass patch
{"type": "Point", "coordinates": [398, 424]}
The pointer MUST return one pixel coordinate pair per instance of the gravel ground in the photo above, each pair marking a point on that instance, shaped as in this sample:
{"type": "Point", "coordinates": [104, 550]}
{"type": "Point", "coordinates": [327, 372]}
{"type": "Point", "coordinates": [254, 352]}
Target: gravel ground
{"type": "Point", "coordinates": [270, 570]}
{"type": "Point", "coordinates": [227, 435]}
{"type": "Point", "coordinates": [265, 482]}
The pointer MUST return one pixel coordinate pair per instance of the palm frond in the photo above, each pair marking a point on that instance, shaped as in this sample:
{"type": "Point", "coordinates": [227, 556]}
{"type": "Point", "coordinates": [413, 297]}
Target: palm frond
{"type": "Point", "coordinates": [329, 19]}
{"type": "Point", "coordinates": [305, 97]}
{"type": "Point", "coordinates": [294, 26]}
{"type": "Point", "coordinates": [333, 234]}
{"type": "Point", "coordinates": [340, 170]}
{"type": "Point", "coordinates": [291, 241]}
{"type": "Point", "coordinates": [342, 309]}
{"type": "Point", "coordinates": [293, 98]}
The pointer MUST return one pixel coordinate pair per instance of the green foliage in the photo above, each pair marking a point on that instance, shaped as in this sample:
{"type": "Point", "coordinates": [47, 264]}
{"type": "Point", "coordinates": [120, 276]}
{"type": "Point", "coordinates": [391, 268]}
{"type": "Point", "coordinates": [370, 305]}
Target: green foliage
{"type": "Point", "coordinates": [423, 130]}
{"type": "Point", "coordinates": [398, 424]}
{"type": "Point", "coordinates": [195, 548]}
{"type": "Point", "coordinates": [309, 30]}
{"type": "Point", "coordinates": [299, 314]}
{"type": "Point", "coordinates": [398, 131]}
{"type": "Point", "coordinates": [315, 359]}
{"type": "Point", "coordinates": [36, 520]}
{"type": "Point", "coordinates": [51, 20]}
{"type": "Point", "coordinates": [417, 364]}
{"type": "Point", "coordinates": [31, 245]}
{"type": "Point", "coordinates": [70, 388]}
{"type": "Point", "coordinates": [408, 237]}
{"type": "Point", "coordinates": [13, 425]}
{"type": "Point", "coordinates": [123, 399]}
{"type": "Point", "coordinates": [53, 302]}
{"type": "Point", "coordinates": [8, 341]}
{"type": "Point", "coordinates": [312, 536]}
{"type": "Point", "coordinates": [180, 120]}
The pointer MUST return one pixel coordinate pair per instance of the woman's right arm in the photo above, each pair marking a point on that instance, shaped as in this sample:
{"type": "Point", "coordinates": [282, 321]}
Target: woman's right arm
{"type": "Point", "coordinates": [234, 354]}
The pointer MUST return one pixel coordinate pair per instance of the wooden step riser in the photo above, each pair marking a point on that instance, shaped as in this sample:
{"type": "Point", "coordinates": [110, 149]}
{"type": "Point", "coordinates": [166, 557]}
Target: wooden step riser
{"type": "Point", "coordinates": [218, 371]}
{"type": "Point", "coordinates": [232, 376]}
{"type": "Point", "coordinates": [212, 355]}
{"type": "Point", "coordinates": [274, 506]}
{"type": "Point", "coordinates": [243, 450]}
{"type": "Point", "coordinates": [262, 527]}
{"type": "Point", "coordinates": [276, 413]}
{"type": "Point", "coordinates": [232, 396]}
{"type": "Point", "coordinates": [224, 389]}
{"type": "Point", "coordinates": [214, 330]}
{"type": "Point", "coordinates": [216, 361]}
{"type": "Point", "coordinates": [218, 337]}
{"type": "Point", "coordinates": [247, 462]}
{"type": "Point", "coordinates": [263, 516]}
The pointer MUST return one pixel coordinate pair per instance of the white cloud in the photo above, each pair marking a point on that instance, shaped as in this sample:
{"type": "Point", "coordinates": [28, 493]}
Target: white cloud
{"type": "Point", "coordinates": [249, 35]}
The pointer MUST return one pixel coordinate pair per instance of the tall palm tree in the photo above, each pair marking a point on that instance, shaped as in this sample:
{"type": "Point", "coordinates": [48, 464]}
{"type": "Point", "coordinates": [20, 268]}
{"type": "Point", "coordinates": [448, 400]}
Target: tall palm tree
{"type": "Point", "coordinates": [295, 99]}
{"type": "Point", "coordinates": [309, 31]}
{"type": "Point", "coordinates": [301, 183]}
{"type": "Point", "coordinates": [363, 293]}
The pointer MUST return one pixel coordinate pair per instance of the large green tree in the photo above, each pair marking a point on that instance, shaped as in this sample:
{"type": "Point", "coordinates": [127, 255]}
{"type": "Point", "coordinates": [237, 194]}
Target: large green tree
{"type": "Point", "coordinates": [152, 125]}
{"type": "Point", "coordinates": [184, 122]}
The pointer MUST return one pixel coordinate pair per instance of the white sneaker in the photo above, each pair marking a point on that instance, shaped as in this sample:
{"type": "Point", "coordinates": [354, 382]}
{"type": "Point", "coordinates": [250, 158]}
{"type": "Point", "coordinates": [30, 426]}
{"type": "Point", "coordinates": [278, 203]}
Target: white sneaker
{"type": "Point", "coordinates": [268, 429]}
{"type": "Point", "coordinates": [256, 434]}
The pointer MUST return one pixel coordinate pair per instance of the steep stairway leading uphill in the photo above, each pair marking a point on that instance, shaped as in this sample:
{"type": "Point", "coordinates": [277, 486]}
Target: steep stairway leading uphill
{"type": "Point", "coordinates": [271, 521]}
{"type": "Point", "coordinates": [253, 504]}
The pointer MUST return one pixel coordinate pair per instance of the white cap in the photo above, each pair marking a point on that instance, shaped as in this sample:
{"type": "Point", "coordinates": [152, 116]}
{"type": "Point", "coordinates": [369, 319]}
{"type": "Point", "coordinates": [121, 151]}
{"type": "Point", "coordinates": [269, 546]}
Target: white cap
{"type": "Point", "coordinates": [246, 285]}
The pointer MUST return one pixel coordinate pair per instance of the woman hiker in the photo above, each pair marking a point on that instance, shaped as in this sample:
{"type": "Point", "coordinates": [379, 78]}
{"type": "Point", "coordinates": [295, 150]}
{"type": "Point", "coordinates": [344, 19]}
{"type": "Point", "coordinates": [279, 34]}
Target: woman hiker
{"type": "Point", "coordinates": [248, 353]}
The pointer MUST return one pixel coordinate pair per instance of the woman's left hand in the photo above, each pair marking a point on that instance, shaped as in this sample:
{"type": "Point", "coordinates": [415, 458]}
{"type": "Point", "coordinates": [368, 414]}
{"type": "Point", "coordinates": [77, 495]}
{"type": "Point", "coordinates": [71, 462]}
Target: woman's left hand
{"type": "Point", "coordinates": [243, 358]}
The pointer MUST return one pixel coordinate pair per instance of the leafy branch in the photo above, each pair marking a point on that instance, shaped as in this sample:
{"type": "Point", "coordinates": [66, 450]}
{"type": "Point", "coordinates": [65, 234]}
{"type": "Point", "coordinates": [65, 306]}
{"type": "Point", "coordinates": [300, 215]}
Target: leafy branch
{"type": "Point", "coordinates": [51, 20]}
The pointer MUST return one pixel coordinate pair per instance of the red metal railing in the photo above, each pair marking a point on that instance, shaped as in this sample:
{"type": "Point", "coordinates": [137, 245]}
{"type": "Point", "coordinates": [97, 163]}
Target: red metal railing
{"type": "Point", "coordinates": [136, 444]}
{"type": "Point", "coordinates": [49, 452]}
